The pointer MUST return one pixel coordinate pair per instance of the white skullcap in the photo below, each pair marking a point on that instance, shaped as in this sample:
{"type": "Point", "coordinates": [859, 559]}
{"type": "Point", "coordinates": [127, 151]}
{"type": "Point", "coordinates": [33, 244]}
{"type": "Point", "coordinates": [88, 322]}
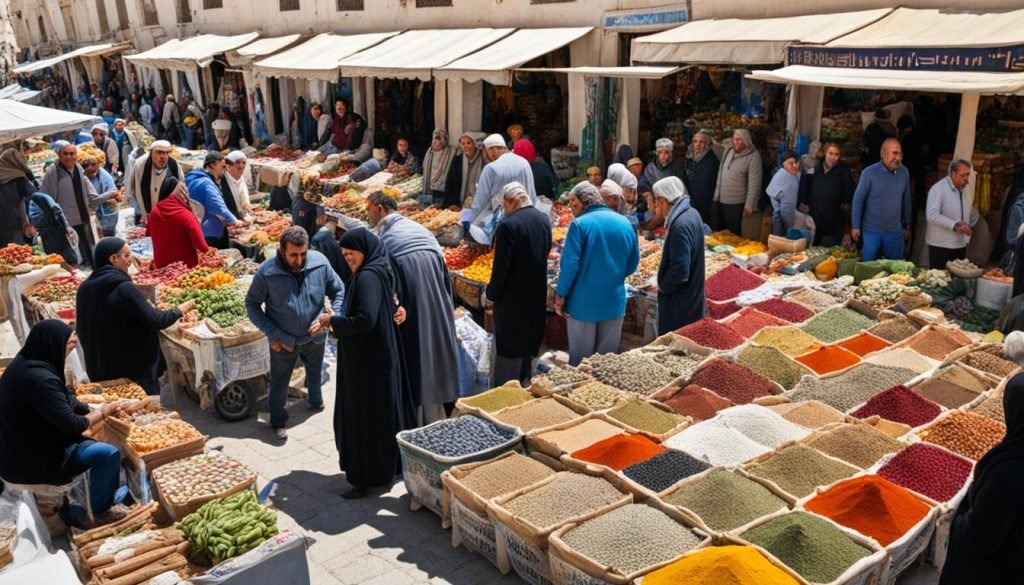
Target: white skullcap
{"type": "Point", "coordinates": [621, 175]}
{"type": "Point", "coordinates": [58, 145]}
{"type": "Point", "coordinates": [670, 189]}
{"type": "Point", "coordinates": [514, 189]}
{"type": "Point", "coordinates": [160, 145]}
{"type": "Point", "coordinates": [610, 188]}
{"type": "Point", "coordinates": [221, 124]}
{"type": "Point", "coordinates": [102, 127]}
{"type": "Point", "coordinates": [495, 140]}
{"type": "Point", "coordinates": [1013, 346]}
{"type": "Point", "coordinates": [587, 193]}
{"type": "Point", "coordinates": [235, 156]}
{"type": "Point", "coordinates": [663, 143]}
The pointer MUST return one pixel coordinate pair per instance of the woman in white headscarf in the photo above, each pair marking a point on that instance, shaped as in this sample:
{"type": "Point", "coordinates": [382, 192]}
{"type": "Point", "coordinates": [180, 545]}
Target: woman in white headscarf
{"type": "Point", "coordinates": [436, 163]}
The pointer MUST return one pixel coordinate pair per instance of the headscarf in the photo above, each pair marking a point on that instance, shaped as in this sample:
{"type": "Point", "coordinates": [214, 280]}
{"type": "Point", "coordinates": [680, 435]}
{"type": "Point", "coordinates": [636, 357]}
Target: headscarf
{"type": "Point", "coordinates": [167, 188]}
{"type": "Point", "coordinates": [46, 344]}
{"type": "Point", "coordinates": [375, 257]}
{"type": "Point", "coordinates": [525, 149]}
{"type": "Point", "coordinates": [610, 188]}
{"type": "Point", "coordinates": [1012, 446]}
{"type": "Point", "coordinates": [106, 248]}
{"type": "Point", "coordinates": [13, 166]}
{"type": "Point", "coordinates": [587, 193]}
{"type": "Point", "coordinates": [622, 177]}
{"type": "Point", "coordinates": [670, 189]}
{"type": "Point", "coordinates": [745, 136]}
{"type": "Point", "coordinates": [696, 158]}
{"type": "Point", "coordinates": [442, 134]}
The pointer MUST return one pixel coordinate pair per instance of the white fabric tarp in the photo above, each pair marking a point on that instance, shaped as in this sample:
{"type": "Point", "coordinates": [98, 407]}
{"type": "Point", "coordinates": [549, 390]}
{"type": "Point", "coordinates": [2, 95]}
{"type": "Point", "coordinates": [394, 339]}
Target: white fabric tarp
{"type": "Point", "coordinates": [415, 54]}
{"type": "Point", "coordinates": [319, 57]}
{"type": "Point", "coordinates": [494, 64]}
{"type": "Point", "coordinates": [17, 93]}
{"type": "Point", "coordinates": [938, 81]}
{"type": "Point", "coordinates": [90, 51]}
{"type": "Point", "coordinates": [746, 41]}
{"type": "Point", "coordinates": [260, 48]}
{"type": "Point", "coordinates": [639, 72]}
{"type": "Point", "coordinates": [19, 121]}
{"type": "Point", "coordinates": [191, 53]}
{"type": "Point", "coordinates": [932, 27]}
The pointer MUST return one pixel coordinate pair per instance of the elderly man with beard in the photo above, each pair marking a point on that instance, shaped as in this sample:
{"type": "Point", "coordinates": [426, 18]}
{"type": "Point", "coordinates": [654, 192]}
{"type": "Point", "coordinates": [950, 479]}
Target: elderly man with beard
{"type": "Point", "coordinates": [147, 175]}
{"type": "Point", "coordinates": [702, 174]}
{"type": "Point", "coordinates": [66, 182]}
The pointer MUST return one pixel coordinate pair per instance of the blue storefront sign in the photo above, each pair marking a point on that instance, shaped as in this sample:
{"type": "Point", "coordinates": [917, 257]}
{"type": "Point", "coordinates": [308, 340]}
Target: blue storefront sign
{"type": "Point", "coordinates": [638, 20]}
{"type": "Point", "coordinates": [987, 60]}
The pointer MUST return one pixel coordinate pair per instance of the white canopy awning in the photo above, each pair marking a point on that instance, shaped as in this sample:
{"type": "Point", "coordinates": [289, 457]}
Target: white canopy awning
{"type": "Point", "coordinates": [19, 121]}
{"type": "Point", "coordinates": [17, 93]}
{"type": "Point", "coordinates": [639, 72]}
{"type": "Point", "coordinates": [191, 53]}
{"type": "Point", "coordinates": [746, 41]}
{"type": "Point", "coordinates": [415, 54]}
{"type": "Point", "coordinates": [494, 64]}
{"type": "Point", "coordinates": [90, 51]}
{"type": "Point", "coordinates": [938, 81]}
{"type": "Point", "coordinates": [932, 27]}
{"type": "Point", "coordinates": [259, 49]}
{"type": "Point", "coordinates": [319, 57]}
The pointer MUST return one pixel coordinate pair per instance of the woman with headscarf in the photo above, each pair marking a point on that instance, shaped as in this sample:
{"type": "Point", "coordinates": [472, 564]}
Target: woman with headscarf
{"type": "Point", "coordinates": [986, 539]}
{"type": "Point", "coordinates": [464, 172]}
{"type": "Point", "coordinates": [620, 175]}
{"type": "Point", "coordinates": [681, 272]}
{"type": "Point", "coordinates": [739, 185]}
{"type": "Point", "coordinates": [16, 185]}
{"type": "Point", "coordinates": [174, 229]}
{"type": "Point", "coordinates": [118, 328]}
{"type": "Point", "coordinates": [436, 162]}
{"type": "Point", "coordinates": [543, 177]}
{"type": "Point", "coordinates": [373, 401]}
{"type": "Point", "coordinates": [783, 191]}
{"type": "Point", "coordinates": [622, 155]}
{"type": "Point", "coordinates": [41, 422]}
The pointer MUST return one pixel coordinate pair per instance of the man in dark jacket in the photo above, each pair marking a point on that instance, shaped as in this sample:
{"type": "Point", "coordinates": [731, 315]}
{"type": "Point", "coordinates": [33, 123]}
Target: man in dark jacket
{"type": "Point", "coordinates": [519, 283]}
{"type": "Point", "coordinates": [117, 327]}
{"type": "Point", "coordinates": [681, 272]}
{"type": "Point", "coordinates": [827, 193]}
{"type": "Point", "coordinates": [15, 188]}
{"type": "Point", "coordinates": [702, 174]}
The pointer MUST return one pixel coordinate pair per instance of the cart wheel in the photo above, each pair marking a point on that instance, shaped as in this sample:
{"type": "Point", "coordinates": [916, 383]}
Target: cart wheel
{"type": "Point", "coordinates": [236, 401]}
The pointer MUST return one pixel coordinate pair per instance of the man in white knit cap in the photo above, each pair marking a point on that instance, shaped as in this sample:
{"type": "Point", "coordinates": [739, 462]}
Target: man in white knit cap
{"type": "Point", "coordinates": [505, 167]}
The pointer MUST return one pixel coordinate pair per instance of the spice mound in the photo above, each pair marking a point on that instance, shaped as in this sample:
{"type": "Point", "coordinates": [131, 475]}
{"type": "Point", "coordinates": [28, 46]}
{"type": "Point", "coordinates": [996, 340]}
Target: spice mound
{"type": "Point", "coordinates": [567, 496]}
{"type": "Point", "coordinates": [729, 282]}
{"type": "Point", "coordinates": [857, 444]}
{"type": "Point", "coordinates": [894, 330]}
{"type": "Point", "coordinates": [785, 310]}
{"type": "Point", "coordinates": [595, 395]}
{"type": "Point", "coordinates": [789, 340]}
{"type": "Point", "coordinates": [814, 548]}
{"type": "Point", "coordinates": [811, 413]}
{"type": "Point", "coordinates": [872, 506]}
{"type": "Point", "coordinates": [711, 333]}
{"type": "Point", "coordinates": [937, 343]}
{"type": "Point", "coordinates": [900, 404]}
{"type": "Point", "coordinates": [762, 425]}
{"type": "Point", "coordinates": [620, 451]}
{"type": "Point", "coordinates": [580, 435]}
{"type": "Point", "coordinates": [645, 416]}
{"type": "Point", "coordinates": [697, 403]}
{"type": "Point", "coordinates": [665, 469]}
{"type": "Point", "coordinates": [749, 321]}
{"type": "Point", "coordinates": [502, 476]}
{"type": "Point", "coordinates": [732, 565]}
{"type": "Point", "coordinates": [864, 344]}
{"type": "Point", "coordinates": [630, 372]}
{"type": "Point", "coordinates": [828, 359]}
{"type": "Point", "coordinates": [966, 433]}
{"type": "Point", "coordinates": [725, 500]}
{"type": "Point", "coordinates": [928, 470]}
{"type": "Point", "coordinates": [498, 398]}
{"type": "Point", "coordinates": [733, 382]}
{"type": "Point", "coordinates": [716, 443]}
{"type": "Point", "coordinates": [798, 470]}
{"type": "Point", "coordinates": [536, 414]}
{"type": "Point", "coordinates": [853, 387]}
{"type": "Point", "coordinates": [459, 437]}
{"type": "Point", "coordinates": [772, 364]}
{"type": "Point", "coordinates": [835, 324]}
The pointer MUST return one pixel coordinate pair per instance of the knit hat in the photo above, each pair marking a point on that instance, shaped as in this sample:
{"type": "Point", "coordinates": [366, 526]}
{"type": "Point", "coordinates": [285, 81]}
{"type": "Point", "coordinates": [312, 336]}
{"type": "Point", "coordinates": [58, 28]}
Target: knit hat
{"type": "Point", "coordinates": [663, 143]}
{"type": "Point", "coordinates": [610, 188]}
{"type": "Point", "coordinates": [587, 193]}
{"type": "Point", "coordinates": [670, 189]}
{"type": "Point", "coordinates": [101, 127]}
{"type": "Point", "coordinates": [495, 140]}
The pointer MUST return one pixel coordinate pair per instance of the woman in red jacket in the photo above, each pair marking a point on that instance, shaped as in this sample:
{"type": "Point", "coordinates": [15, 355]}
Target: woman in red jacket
{"type": "Point", "coordinates": [174, 228]}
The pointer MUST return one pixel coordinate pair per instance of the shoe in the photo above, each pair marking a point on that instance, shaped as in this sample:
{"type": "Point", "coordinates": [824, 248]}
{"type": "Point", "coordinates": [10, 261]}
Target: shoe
{"type": "Point", "coordinates": [281, 434]}
{"type": "Point", "coordinates": [316, 407]}
{"type": "Point", "coordinates": [354, 493]}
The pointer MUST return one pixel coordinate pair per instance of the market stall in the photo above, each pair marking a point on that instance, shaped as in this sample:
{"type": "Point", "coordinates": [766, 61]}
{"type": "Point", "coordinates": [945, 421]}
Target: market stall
{"type": "Point", "coordinates": [90, 59]}
{"type": "Point", "coordinates": [19, 121]}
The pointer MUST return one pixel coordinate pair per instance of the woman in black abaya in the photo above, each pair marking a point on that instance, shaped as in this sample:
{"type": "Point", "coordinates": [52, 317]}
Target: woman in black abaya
{"type": "Point", "coordinates": [372, 402]}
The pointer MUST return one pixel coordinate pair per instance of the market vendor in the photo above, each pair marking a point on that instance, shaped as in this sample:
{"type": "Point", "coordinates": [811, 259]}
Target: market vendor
{"type": "Point", "coordinates": [702, 173]}
{"type": "Point", "coordinates": [504, 168]}
{"type": "Point", "coordinates": [681, 271]}
{"type": "Point", "coordinates": [16, 185]}
{"type": "Point", "coordinates": [109, 194]}
{"type": "Point", "coordinates": [464, 172]}
{"type": "Point", "coordinates": [403, 161]}
{"type": "Point", "coordinates": [827, 194]}
{"type": "Point", "coordinates": [117, 327]}
{"type": "Point", "coordinates": [174, 229]}
{"type": "Point", "coordinates": [318, 130]}
{"type": "Point", "coordinates": [885, 223]}
{"type": "Point", "coordinates": [739, 184]}
{"type": "Point", "coordinates": [951, 216]}
{"type": "Point", "coordinates": [783, 191]}
{"type": "Point", "coordinates": [66, 182]}
{"type": "Point", "coordinates": [237, 192]}
{"type": "Point", "coordinates": [347, 129]}
{"type": "Point", "coordinates": [147, 175]}
{"type": "Point", "coordinates": [436, 162]}
{"type": "Point", "coordinates": [203, 187]}
{"type": "Point", "coordinates": [107, 145]}
{"type": "Point", "coordinates": [985, 539]}
{"type": "Point", "coordinates": [41, 422]}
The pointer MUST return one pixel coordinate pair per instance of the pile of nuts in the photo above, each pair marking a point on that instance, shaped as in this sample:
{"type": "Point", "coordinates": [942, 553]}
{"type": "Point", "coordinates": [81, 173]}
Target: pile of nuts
{"type": "Point", "coordinates": [967, 433]}
{"type": "Point", "coordinates": [630, 372]}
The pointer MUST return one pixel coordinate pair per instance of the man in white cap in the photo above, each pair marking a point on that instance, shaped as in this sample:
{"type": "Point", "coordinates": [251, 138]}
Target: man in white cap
{"type": "Point", "coordinates": [148, 173]}
{"type": "Point", "coordinates": [238, 187]}
{"type": "Point", "coordinates": [663, 165]}
{"type": "Point", "coordinates": [681, 272]}
{"type": "Point", "coordinates": [505, 167]}
{"type": "Point", "coordinates": [107, 145]}
{"type": "Point", "coordinates": [67, 184]}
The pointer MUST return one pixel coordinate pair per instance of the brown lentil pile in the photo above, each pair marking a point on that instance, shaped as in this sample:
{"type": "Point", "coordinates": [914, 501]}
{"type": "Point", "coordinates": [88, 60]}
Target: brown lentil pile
{"type": "Point", "coordinates": [937, 343]}
{"type": "Point", "coordinates": [813, 299]}
{"type": "Point", "coordinates": [630, 372]}
{"type": "Point", "coordinates": [991, 407]}
{"type": "Point", "coordinates": [772, 364]}
{"type": "Point", "coordinates": [536, 414]}
{"type": "Point", "coordinates": [945, 393]}
{"type": "Point", "coordinates": [810, 413]}
{"type": "Point", "coordinates": [857, 444]}
{"type": "Point", "coordinates": [967, 433]}
{"type": "Point", "coordinates": [498, 398]}
{"type": "Point", "coordinates": [853, 387]}
{"type": "Point", "coordinates": [631, 538]}
{"type": "Point", "coordinates": [504, 476]}
{"type": "Point", "coordinates": [894, 330]}
{"type": "Point", "coordinates": [798, 470]}
{"type": "Point", "coordinates": [956, 375]}
{"type": "Point", "coordinates": [725, 500]}
{"type": "Point", "coordinates": [902, 357]}
{"type": "Point", "coordinates": [582, 435]}
{"type": "Point", "coordinates": [567, 496]}
{"type": "Point", "coordinates": [789, 340]}
{"type": "Point", "coordinates": [697, 403]}
{"type": "Point", "coordinates": [645, 417]}
{"type": "Point", "coordinates": [986, 362]}
{"type": "Point", "coordinates": [595, 395]}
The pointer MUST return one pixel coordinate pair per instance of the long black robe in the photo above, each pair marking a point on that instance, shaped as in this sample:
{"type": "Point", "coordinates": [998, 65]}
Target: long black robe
{"type": "Point", "coordinates": [372, 403]}
{"type": "Point", "coordinates": [519, 282]}
{"type": "Point", "coordinates": [681, 272]}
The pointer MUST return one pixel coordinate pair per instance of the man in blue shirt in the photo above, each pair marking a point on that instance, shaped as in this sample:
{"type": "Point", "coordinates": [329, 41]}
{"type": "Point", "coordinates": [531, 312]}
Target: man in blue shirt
{"type": "Point", "coordinates": [109, 194]}
{"type": "Point", "coordinates": [203, 188]}
{"type": "Point", "coordinates": [601, 250]}
{"type": "Point", "coordinates": [881, 205]}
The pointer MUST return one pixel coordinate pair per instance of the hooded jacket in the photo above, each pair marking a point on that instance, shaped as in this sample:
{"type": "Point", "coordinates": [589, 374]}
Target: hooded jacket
{"type": "Point", "coordinates": [739, 175]}
{"type": "Point", "coordinates": [176, 234]}
{"type": "Point", "coordinates": [203, 190]}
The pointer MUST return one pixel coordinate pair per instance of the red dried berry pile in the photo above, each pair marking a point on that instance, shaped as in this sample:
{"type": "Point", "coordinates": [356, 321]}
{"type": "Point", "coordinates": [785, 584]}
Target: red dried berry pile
{"type": "Point", "coordinates": [928, 470]}
{"type": "Point", "coordinates": [697, 403]}
{"type": "Point", "coordinates": [729, 282]}
{"type": "Point", "coordinates": [711, 333]}
{"type": "Point", "coordinates": [789, 311]}
{"type": "Point", "coordinates": [749, 321]}
{"type": "Point", "coordinates": [900, 404]}
{"type": "Point", "coordinates": [733, 382]}
{"type": "Point", "coordinates": [721, 310]}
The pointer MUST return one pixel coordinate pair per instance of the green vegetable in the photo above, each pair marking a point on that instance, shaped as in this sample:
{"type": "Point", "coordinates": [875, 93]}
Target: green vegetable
{"type": "Point", "coordinates": [227, 527]}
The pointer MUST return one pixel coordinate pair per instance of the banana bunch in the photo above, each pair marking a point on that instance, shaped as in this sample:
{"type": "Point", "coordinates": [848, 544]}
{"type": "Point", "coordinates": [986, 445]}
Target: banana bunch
{"type": "Point", "coordinates": [226, 528]}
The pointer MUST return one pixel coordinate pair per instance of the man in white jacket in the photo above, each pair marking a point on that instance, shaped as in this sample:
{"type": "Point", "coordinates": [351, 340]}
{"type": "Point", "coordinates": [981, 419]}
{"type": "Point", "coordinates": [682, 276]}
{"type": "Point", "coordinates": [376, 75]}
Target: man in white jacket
{"type": "Point", "coordinates": [951, 216]}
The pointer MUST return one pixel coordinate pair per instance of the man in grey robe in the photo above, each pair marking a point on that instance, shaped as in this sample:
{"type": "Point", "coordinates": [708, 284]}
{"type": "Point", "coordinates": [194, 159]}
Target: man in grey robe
{"type": "Point", "coordinates": [428, 334]}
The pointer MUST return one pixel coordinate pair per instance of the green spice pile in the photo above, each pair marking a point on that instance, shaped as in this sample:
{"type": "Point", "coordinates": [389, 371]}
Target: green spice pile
{"type": "Point", "coordinates": [851, 388]}
{"type": "Point", "coordinates": [812, 414]}
{"type": "Point", "coordinates": [503, 476]}
{"type": "Point", "coordinates": [809, 297]}
{"type": "Point", "coordinates": [789, 340]}
{"type": "Point", "coordinates": [577, 437]}
{"type": "Point", "coordinates": [631, 538]}
{"type": "Point", "coordinates": [811, 546]}
{"type": "Point", "coordinates": [725, 500]}
{"type": "Point", "coordinates": [894, 330]}
{"type": "Point", "coordinates": [857, 444]}
{"type": "Point", "coordinates": [630, 372]}
{"type": "Point", "coordinates": [798, 470]}
{"type": "Point", "coordinates": [772, 364]}
{"type": "Point", "coordinates": [835, 324]}
{"type": "Point", "coordinates": [567, 496]}
{"type": "Point", "coordinates": [645, 417]}
{"type": "Point", "coordinates": [536, 414]}
{"type": "Point", "coordinates": [595, 395]}
{"type": "Point", "coordinates": [498, 398]}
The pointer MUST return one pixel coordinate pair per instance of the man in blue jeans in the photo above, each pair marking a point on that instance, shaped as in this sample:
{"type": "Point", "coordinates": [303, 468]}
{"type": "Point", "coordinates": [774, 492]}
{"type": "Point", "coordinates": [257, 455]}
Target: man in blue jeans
{"type": "Point", "coordinates": [881, 205]}
{"type": "Point", "coordinates": [286, 302]}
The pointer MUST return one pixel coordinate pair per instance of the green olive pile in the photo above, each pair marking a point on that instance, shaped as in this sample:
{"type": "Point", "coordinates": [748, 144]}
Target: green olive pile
{"type": "Point", "coordinates": [226, 528]}
{"type": "Point", "coordinates": [224, 306]}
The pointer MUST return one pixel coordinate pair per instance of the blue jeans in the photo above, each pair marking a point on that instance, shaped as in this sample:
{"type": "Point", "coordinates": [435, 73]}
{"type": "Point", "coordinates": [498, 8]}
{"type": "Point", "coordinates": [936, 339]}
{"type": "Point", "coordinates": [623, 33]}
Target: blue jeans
{"type": "Point", "coordinates": [282, 363]}
{"type": "Point", "coordinates": [104, 464]}
{"type": "Point", "coordinates": [890, 244]}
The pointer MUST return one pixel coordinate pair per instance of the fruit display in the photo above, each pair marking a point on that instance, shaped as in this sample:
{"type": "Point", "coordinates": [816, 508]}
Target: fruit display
{"type": "Point", "coordinates": [424, 216]}
{"type": "Point", "coordinates": [459, 258]}
{"type": "Point", "coordinates": [211, 259]}
{"type": "Point", "coordinates": [166, 275]}
{"type": "Point", "coordinates": [14, 254]}
{"type": "Point", "coordinates": [724, 238]}
{"type": "Point", "coordinates": [480, 269]}
{"type": "Point", "coordinates": [91, 391]}
{"type": "Point", "coordinates": [56, 289]}
{"type": "Point", "coordinates": [161, 435]}
{"type": "Point", "coordinates": [645, 271]}
{"type": "Point", "coordinates": [446, 218]}
{"type": "Point", "coordinates": [228, 527]}
{"type": "Point", "coordinates": [47, 260]}
{"type": "Point", "coordinates": [204, 278]}
{"type": "Point", "coordinates": [934, 278]}
{"type": "Point", "coordinates": [200, 476]}
{"type": "Point", "coordinates": [224, 306]}
{"type": "Point", "coordinates": [997, 275]}
{"type": "Point", "coordinates": [410, 186]}
{"type": "Point", "coordinates": [563, 215]}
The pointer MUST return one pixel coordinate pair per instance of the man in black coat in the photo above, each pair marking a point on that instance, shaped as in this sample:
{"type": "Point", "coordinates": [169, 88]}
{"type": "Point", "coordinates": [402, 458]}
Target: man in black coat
{"type": "Point", "coordinates": [681, 272]}
{"type": "Point", "coordinates": [702, 174]}
{"type": "Point", "coordinates": [519, 285]}
{"type": "Point", "coordinates": [827, 193]}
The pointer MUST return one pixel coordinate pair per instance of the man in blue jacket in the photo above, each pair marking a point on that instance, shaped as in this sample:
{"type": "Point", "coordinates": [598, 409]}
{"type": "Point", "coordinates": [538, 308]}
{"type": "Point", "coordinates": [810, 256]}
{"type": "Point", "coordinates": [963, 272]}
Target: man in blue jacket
{"type": "Point", "coordinates": [601, 250]}
{"type": "Point", "coordinates": [881, 205]}
{"type": "Point", "coordinates": [203, 188]}
{"type": "Point", "coordinates": [286, 302]}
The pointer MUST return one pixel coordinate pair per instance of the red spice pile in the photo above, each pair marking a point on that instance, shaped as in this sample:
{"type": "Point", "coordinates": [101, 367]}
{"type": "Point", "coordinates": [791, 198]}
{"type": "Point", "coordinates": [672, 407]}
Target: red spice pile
{"type": "Point", "coordinates": [900, 404]}
{"type": "Point", "coordinates": [872, 506]}
{"type": "Point", "coordinates": [787, 310]}
{"type": "Point", "coordinates": [721, 310]}
{"type": "Point", "coordinates": [733, 381]}
{"type": "Point", "coordinates": [929, 471]}
{"type": "Point", "coordinates": [711, 333]}
{"type": "Point", "coordinates": [749, 321]}
{"type": "Point", "coordinates": [828, 359]}
{"type": "Point", "coordinates": [620, 451]}
{"type": "Point", "coordinates": [697, 403]}
{"type": "Point", "coordinates": [864, 344]}
{"type": "Point", "coordinates": [729, 282]}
